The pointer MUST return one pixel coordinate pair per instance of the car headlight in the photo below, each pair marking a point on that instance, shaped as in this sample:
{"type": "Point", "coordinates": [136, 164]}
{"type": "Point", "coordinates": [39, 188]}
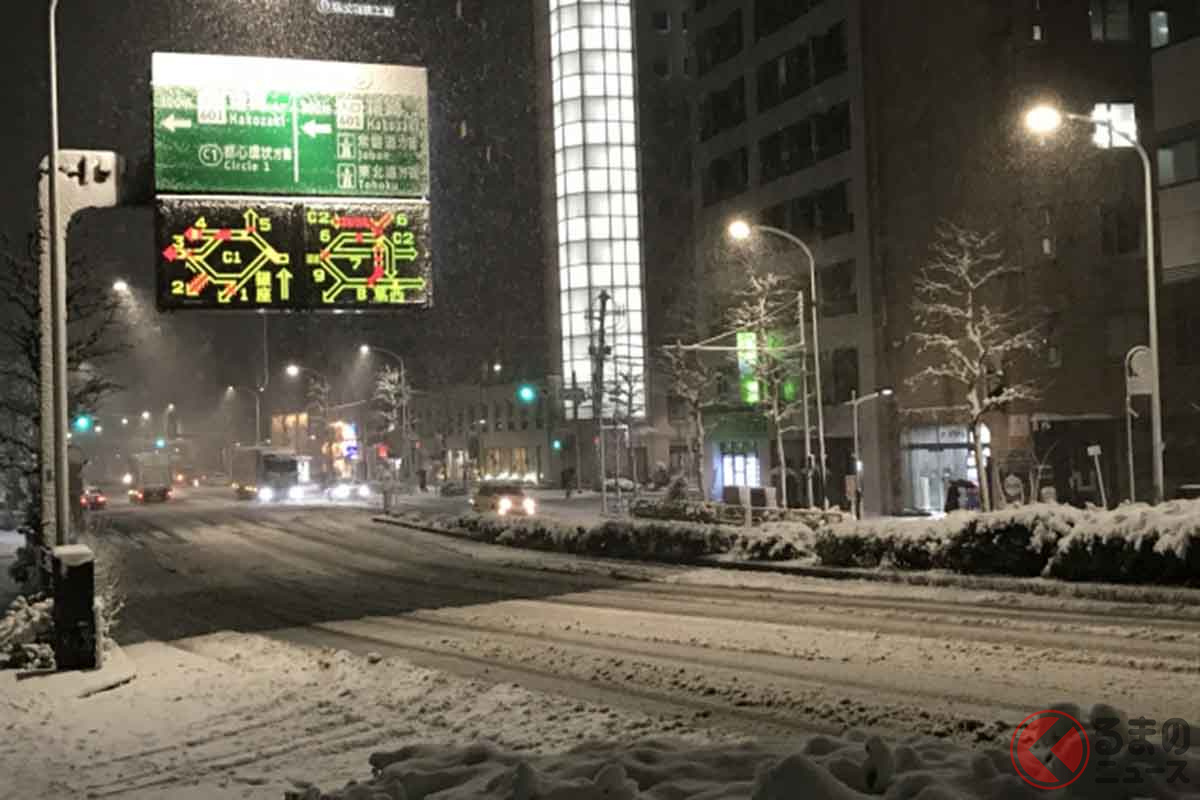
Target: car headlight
{"type": "Point", "coordinates": [266, 494]}
{"type": "Point", "coordinates": [341, 492]}
{"type": "Point", "coordinates": [364, 491]}
{"type": "Point", "coordinates": [127, 479]}
{"type": "Point", "coordinates": [529, 505]}
{"type": "Point", "coordinates": [295, 493]}
{"type": "Point", "coordinates": [505, 505]}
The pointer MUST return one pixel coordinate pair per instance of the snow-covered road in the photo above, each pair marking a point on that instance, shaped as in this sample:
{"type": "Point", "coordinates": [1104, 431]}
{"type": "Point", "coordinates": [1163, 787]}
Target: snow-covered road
{"type": "Point", "coordinates": [786, 653]}
{"type": "Point", "coordinates": [234, 613]}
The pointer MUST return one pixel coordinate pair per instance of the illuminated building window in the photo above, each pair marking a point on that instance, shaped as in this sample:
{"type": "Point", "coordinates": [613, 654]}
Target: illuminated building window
{"type": "Point", "coordinates": [1122, 117]}
{"type": "Point", "coordinates": [597, 188]}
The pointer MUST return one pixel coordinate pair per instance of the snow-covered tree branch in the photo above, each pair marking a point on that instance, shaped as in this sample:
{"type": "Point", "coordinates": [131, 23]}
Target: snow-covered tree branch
{"type": "Point", "coordinates": [968, 338]}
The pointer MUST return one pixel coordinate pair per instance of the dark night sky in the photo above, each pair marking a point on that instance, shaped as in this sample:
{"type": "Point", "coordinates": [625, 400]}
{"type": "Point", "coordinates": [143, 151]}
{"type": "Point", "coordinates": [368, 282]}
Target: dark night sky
{"type": "Point", "coordinates": [487, 237]}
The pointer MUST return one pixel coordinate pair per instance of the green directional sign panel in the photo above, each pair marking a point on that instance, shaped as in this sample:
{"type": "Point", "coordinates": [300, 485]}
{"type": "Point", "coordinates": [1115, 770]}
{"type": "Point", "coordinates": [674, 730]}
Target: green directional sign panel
{"type": "Point", "coordinates": [238, 125]}
{"type": "Point", "coordinates": [256, 253]}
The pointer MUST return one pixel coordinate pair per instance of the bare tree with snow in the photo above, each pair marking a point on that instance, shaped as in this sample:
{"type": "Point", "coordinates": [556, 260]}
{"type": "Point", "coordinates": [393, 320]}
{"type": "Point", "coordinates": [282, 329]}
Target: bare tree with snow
{"type": "Point", "coordinates": [693, 380]}
{"type": "Point", "coordinates": [767, 307]}
{"type": "Point", "coordinates": [394, 396]}
{"type": "Point", "coordinates": [971, 338]}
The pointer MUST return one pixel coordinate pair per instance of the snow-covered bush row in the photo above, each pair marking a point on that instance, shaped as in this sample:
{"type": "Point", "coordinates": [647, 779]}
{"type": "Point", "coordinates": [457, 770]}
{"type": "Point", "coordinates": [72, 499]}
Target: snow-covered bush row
{"type": "Point", "coordinates": [675, 542]}
{"type": "Point", "coordinates": [851, 767]}
{"type": "Point", "coordinates": [645, 540]}
{"type": "Point", "coordinates": [1131, 543]}
{"type": "Point", "coordinates": [710, 513]}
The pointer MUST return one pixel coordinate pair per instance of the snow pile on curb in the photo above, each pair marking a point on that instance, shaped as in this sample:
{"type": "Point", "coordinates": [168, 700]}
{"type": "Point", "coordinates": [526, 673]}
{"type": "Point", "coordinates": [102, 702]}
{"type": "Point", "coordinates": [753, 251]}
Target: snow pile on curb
{"type": "Point", "coordinates": [1130, 543]}
{"type": "Point", "coordinates": [25, 632]}
{"type": "Point", "coordinates": [851, 767]}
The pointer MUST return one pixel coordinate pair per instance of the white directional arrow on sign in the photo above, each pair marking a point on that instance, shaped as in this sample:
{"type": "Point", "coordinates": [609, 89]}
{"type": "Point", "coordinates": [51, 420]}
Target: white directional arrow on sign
{"type": "Point", "coordinates": [314, 128]}
{"type": "Point", "coordinates": [174, 123]}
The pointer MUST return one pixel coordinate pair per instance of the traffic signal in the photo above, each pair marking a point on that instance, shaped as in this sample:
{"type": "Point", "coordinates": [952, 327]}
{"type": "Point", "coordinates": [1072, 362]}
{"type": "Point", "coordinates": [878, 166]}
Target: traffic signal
{"type": "Point", "coordinates": [527, 393]}
{"type": "Point", "coordinates": [556, 445]}
{"type": "Point", "coordinates": [83, 423]}
{"type": "Point", "coordinates": [160, 443]}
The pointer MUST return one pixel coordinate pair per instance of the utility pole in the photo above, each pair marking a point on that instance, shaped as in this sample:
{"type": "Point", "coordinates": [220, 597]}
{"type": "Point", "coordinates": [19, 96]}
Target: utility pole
{"type": "Point", "coordinates": [71, 180]}
{"type": "Point", "coordinates": [576, 398]}
{"type": "Point", "coordinates": [599, 352]}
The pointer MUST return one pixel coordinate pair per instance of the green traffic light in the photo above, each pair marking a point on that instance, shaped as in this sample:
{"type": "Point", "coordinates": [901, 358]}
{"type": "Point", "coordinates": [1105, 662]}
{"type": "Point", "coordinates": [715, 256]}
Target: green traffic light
{"type": "Point", "coordinates": [556, 444]}
{"type": "Point", "coordinates": [83, 423]}
{"type": "Point", "coordinates": [160, 443]}
{"type": "Point", "coordinates": [527, 394]}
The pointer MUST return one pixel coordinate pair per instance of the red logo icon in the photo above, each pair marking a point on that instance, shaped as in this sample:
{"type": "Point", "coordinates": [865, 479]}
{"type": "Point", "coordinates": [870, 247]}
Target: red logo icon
{"type": "Point", "coordinates": [1050, 749]}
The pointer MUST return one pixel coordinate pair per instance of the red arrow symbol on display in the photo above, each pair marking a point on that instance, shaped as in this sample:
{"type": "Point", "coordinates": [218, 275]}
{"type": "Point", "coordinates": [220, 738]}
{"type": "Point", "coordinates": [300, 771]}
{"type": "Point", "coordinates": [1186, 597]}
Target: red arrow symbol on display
{"type": "Point", "coordinates": [224, 235]}
{"type": "Point", "coordinates": [170, 254]}
{"type": "Point", "coordinates": [229, 290]}
{"type": "Point", "coordinates": [198, 283]}
{"type": "Point", "coordinates": [192, 233]}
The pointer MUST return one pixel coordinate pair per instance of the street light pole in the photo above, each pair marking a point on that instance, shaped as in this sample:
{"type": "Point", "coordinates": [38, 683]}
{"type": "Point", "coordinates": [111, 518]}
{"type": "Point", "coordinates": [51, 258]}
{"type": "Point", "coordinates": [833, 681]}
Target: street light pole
{"type": "Point", "coordinates": [58, 313]}
{"type": "Point", "coordinates": [855, 402]}
{"type": "Point", "coordinates": [1045, 119]}
{"type": "Point", "coordinates": [816, 338]}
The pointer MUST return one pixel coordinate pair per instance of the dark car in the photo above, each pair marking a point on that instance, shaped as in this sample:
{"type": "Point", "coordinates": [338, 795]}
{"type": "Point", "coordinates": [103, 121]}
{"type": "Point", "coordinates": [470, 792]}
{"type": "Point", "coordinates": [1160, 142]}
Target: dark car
{"type": "Point", "coordinates": [93, 499]}
{"type": "Point", "coordinates": [503, 499]}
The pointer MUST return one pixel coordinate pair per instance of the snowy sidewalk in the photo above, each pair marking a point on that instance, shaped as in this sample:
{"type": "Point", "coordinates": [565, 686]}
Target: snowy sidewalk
{"type": "Point", "coordinates": [243, 716]}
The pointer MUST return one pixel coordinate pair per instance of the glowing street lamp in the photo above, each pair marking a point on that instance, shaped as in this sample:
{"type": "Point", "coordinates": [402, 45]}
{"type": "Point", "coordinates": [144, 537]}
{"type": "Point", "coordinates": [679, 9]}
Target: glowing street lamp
{"type": "Point", "coordinates": [120, 286]}
{"type": "Point", "coordinates": [1043, 119]}
{"type": "Point", "coordinates": [1046, 119]}
{"type": "Point", "coordinates": [364, 349]}
{"type": "Point", "coordinates": [739, 230]}
{"type": "Point", "coordinates": [145, 416]}
{"type": "Point", "coordinates": [293, 370]}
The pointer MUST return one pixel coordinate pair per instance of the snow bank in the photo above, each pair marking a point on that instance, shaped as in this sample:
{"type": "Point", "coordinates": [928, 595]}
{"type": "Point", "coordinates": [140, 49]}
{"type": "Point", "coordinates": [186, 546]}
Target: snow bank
{"type": "Point", "coordinates": [851, 767]}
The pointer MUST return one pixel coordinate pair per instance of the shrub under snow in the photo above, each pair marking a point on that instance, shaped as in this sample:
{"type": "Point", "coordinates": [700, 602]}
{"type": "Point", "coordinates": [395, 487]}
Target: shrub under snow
{"type": "Point", "coordinates": [25, 635]}
{"type": "Point", "coordinates": [1131, 543]}
{"type": "Point", "coordinates": [1134, 543]}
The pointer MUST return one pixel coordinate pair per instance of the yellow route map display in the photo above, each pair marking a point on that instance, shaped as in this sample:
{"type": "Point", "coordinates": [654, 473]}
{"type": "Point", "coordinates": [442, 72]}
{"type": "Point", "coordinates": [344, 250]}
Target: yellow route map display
{"type": "Point", "coordinates": [363, 254]}
{"type": "Point", "coordinates": [252, 253]}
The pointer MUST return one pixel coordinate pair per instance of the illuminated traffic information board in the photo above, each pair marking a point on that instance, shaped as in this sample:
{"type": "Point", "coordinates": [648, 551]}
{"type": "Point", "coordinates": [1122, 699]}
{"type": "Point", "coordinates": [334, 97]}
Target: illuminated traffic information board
{"type": "Point", "coordinates": [256, 253]}
{"type": "Point", "coordinates": [290, 185]}
{"type": "Point", "coordinates": [231, 124]}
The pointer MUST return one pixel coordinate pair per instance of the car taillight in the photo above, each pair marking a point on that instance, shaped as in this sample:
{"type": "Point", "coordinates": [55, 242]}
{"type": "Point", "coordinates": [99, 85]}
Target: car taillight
{"type": "Point", "coordinates": [102, 499]}
{"type": "Point", "coordinates": [83, 501]}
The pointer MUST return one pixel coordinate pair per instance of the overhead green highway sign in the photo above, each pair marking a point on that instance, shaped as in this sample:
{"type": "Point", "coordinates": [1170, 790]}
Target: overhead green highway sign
{"type": "Point", "coordinates": [239, 125]}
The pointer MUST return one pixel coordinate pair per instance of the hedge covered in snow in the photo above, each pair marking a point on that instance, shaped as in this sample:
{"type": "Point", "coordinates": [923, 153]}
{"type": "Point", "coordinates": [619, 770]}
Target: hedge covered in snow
{"type": "Point", "coordinates": [671, 542]}
{"type": "Point", "coordinates": [709, 513]}
{"type": "Point", "coordinates": [1131, 543]}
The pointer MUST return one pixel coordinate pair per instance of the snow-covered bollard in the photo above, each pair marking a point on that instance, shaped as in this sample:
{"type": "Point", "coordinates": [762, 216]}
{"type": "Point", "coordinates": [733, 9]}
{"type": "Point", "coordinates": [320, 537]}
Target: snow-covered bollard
{"type": "Point", "coordinates": [76, 644]}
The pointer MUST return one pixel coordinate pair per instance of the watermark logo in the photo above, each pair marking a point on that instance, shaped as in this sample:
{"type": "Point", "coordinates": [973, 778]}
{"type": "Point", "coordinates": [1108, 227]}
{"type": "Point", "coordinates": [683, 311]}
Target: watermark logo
{"type": "Point", "coordinates": [1050, 749]}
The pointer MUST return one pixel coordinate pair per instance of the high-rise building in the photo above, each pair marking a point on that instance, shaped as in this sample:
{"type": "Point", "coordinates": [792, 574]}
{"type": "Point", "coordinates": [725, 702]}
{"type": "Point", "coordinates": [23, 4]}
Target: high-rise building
{"type": "Point", "coordinates": [858, 127]}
